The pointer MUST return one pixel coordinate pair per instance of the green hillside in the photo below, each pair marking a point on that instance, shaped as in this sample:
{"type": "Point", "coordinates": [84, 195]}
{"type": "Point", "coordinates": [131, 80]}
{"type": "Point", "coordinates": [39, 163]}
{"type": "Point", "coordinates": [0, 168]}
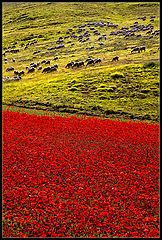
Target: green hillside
{"type": "Point", "coordinates": [128, 87]}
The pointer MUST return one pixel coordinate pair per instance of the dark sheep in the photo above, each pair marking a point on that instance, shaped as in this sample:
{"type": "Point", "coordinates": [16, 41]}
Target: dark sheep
{"type": "Point", "coordinates": [53, 69]}
{"type": "Point", "coordinates": [75, 65]}
{"type": "Point", "coordinates": [97, 60]}
{"type": "Point", "coordinates": [100, 38]}
{"type": "Point", "coordinates": [43, 61]}
{"type": "Point", "coordinates": [135, 49]}
{"type": "Point", "coordinates": [115, 58]}
{"type": "Point", "coordinates": [40, 67]}
{"type": "Point", "coordinates": [21, 73]}
{"type": "Point", "coordinates": [88, 59]}
{"type": "Point", "coordinates": [16, 72]}
{"type": "Point", "coordinates": [13, 60]}
{"type": "Point", "coordinates": [148, 31]}
{"type": "Point", "coordinates": [143, 48]}
{"type": "Point", "coordinates": [30, 70]}
{"type": "Point", "coordinates": [33, 65]}
{"type": "Point", "coordinates": [81, 63]}
{"type": "Point", "coordinates": [48, 62]}
{"type": "Point", "coordinates": [55, 66]}
{"type": "Point", "coordinates": [91, 61]}
{"type": "Point", "coordinates": [55, 58]}
{"type": "Point", "coordinates": [9, 69]}
{"type": "Point", "coordinates": [46, 69]}
{"type": "Point", "coordinates": [70, 64]}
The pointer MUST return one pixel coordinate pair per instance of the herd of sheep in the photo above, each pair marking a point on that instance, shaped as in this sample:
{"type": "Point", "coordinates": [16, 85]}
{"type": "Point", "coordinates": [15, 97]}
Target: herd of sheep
{"type": "Point", "coordinates": [84, 36]}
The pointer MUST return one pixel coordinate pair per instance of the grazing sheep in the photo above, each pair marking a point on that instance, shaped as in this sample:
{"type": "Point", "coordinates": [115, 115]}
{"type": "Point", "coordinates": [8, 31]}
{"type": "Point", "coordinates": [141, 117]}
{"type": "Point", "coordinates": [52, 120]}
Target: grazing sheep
{"type": "Point", "coordinates": [91, 61]}
{"type": "Point", "coordinates": [40, 67]}
{"type": "Point", "coordinates": [56, 66]}
{"type": "Point", "coordinates": [135, 49]}
{"type": "Point", "coordinates": [13, 60]}
{"type": "Point", "coordinates": [53, 69]}
{"type": "Point", "coordinates": [30, 70]}
{"type": "Point", "coordinates": [46, 69]}
{"type": "Point", "coordinates": [16, 72]}
{"type": "Point", "coordinates": [21, 73]}
{"type": "Point", "coordinates": [33, 65]}
{"type": "Point", "coordinates": [100, 38]}
{"type": "Point", "coordinates": [55, 58]}
{"type": "Point", "coordinates": [89, 58]}
{"type": "Point", "coordinates": [81, 63]}
{"type": "Point", "coordinates": [97, 60]}
{"type": "Point", "coordinates": [70, 64]}
{"type": "Point", "coordinates": [142, 48]}
{"type": "Point", "coordinates": [48, 62]}
{"type": "Point", "coordinates": [75, 65]}
{"type": "Point", "coordinates": [9, 69]}
{"type": "Point", "coordinates": [43, 61]}
{"type": "Point", "coordinates": [92, 47]}
{"type": "Point", "coordinates": [115, 58]}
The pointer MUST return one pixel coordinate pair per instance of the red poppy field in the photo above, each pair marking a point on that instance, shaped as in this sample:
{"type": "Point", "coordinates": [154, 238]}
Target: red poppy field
{"type": "Point", "coordinates": [79, 177]}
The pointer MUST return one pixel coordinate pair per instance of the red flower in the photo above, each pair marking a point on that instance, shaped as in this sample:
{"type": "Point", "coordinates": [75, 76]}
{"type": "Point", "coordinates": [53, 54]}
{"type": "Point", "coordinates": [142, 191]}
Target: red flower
{"type": "Point", "coordinates": [79, 177]}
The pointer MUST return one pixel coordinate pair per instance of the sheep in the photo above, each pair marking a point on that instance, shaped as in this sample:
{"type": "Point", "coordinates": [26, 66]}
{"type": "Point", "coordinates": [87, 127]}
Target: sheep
{"type": "Point", "coordinates": [53, 69]}
{"type": "Point", "coordinates": [43, 61]}
{"type": "Point", "coordinates": [46, 69]}
{"type": "Point", "coordinates": [48, 62]}
{"type": "Point", "coordinates": [13, 60]}
{"type": "Point", "coordinates": [115, 58]}
{"type": "Point", "coordinates": [16, 72]}
{"type": "Point", "coordinates": [56, 66]}
{"type": "Point", "coordinates": [55, 58]}
{"type": "Point", "coordinates": [135, 49]}
{"type": "Point", "coordinates": [70, 64]}
{"type": "Point", "coordinates": [9, 69]}
{"type": "Point", "coordinates": [97, 60]}
{"type": "Point", "coordinates": [38, 63]}
{"type": "Point", "coordinates": [75, 65]}
{"type": "Point", "coordinates": [100, 38]}
{"type": "Point", "coordinates": [30, 70]}
{"type": "Point", "coordinates": [33, 65]}
{"type": "Point", "coordinates": [91, 61]}
{"type": "Point", "coordinates": [81, 63]}
{"type": "Point", "coordinates": [88, 59]}
{"type": "Point", "coordinates": [21, 73]}
{"type": "Point", "coordinates": [40, 67]}
{"type": "Point", "coordinates": [142, 48]}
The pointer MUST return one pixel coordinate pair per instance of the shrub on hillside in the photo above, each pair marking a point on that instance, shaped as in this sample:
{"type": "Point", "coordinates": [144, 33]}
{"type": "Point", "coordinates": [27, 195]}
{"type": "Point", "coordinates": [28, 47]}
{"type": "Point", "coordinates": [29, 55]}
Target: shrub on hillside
{"type": "Point", "coordinates": [150, 64]}
{"type": "Point", "coordinates": [117, 75]}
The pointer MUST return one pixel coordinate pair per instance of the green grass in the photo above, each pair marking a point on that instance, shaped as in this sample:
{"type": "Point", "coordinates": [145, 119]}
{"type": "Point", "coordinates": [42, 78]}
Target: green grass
{"type": "Point", "coordinates": [129, 87]}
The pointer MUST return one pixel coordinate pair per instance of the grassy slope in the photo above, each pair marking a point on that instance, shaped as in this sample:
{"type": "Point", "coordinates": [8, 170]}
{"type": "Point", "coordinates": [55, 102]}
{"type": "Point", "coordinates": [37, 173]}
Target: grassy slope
{"type": "Point", "coordinates": [92, 89]}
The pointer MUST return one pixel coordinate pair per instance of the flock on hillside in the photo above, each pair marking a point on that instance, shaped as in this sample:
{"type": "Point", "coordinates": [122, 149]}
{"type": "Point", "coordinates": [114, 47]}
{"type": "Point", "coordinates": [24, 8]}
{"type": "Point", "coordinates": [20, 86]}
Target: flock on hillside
{"type": "Point", "coordinates": [81, 34]}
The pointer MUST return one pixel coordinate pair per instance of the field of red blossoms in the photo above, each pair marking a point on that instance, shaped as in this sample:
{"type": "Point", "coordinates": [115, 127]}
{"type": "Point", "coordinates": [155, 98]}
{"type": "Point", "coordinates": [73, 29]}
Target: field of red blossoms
{"type": "Point", "coordinates": [79, 177]}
